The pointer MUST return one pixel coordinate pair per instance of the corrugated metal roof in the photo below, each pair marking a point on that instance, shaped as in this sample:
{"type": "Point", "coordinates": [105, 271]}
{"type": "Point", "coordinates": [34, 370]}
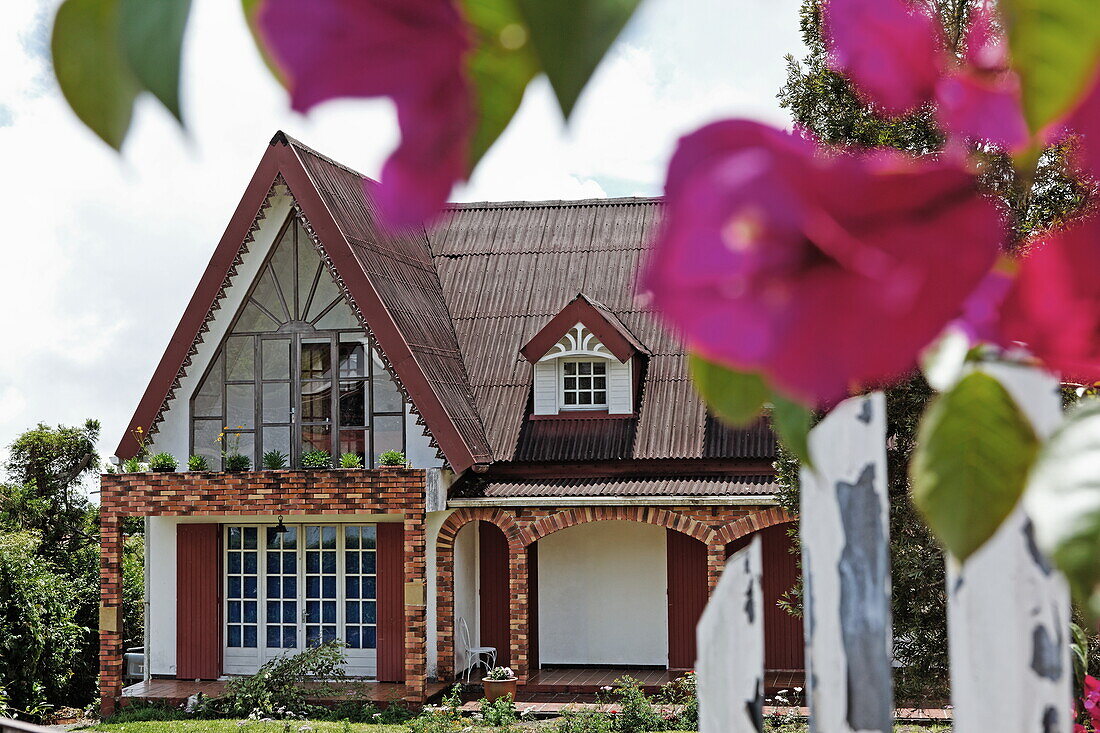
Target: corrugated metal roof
{"type": "Point", "coordinates": [678, 486]}
{"type": "Point", "coordinates": [507, 268]}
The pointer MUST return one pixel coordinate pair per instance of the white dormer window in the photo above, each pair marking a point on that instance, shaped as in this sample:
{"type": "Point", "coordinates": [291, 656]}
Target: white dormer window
{"type": "Point", "coordinates": [583, 384]}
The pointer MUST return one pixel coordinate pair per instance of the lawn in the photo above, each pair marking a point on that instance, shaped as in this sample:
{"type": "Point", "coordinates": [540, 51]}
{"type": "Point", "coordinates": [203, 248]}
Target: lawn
{"type": "Point", "coordinates": [291, 726]}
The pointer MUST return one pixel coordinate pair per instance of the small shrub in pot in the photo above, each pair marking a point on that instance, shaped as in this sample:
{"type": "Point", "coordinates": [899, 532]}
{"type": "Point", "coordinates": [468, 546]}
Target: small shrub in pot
{"type": "Point", "coordinates": [317, 459]}
{"type": "Point", "coordinates": [275, 460]}
{"type": "Point", "coordinates": [351, 460]}
{"type": "Point", "coordinates": [132, 465]}
{"type": "Point", "coordinates": [163, 463]}
{"type": "Point", "coordinates": [198, 463]}
{"type": "Point", "coordinates": [391, 458]}
{"type": "Point", "coordinates": [236, 462]}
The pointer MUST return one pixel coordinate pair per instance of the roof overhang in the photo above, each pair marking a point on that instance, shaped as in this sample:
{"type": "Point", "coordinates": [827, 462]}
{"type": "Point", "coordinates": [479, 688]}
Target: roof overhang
{"type": "Point", "coordinates": [597, 318]}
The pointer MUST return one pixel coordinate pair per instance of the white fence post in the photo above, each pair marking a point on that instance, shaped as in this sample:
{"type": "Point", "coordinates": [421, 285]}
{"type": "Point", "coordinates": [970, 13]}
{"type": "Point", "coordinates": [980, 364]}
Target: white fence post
{"type": "Point", "coordinates": [846, 570]}
{"type": "Point", "coordinates": [730, 639]}
{"type": "Point", "coordinates": [1009, 611]}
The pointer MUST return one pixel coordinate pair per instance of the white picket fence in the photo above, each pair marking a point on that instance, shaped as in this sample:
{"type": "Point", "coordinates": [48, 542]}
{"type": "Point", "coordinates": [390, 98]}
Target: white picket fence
{"type": "Point", "coordinates": [1008, 609]}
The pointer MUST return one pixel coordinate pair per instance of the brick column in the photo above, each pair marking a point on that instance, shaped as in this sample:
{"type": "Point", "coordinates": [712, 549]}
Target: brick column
{"type": "Point", "coordinates": [110, 612]}
{"type": "Point", "coordinates": [716, 563]}
{"type": "Point", "coordinates": [517, 588]}
{"type": "Point", "coordinates": [416, 609]}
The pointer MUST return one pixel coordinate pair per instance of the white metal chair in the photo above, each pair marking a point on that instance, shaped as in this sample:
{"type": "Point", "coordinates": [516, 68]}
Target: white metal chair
{"type": "Point", "coordinates": [474, 653]}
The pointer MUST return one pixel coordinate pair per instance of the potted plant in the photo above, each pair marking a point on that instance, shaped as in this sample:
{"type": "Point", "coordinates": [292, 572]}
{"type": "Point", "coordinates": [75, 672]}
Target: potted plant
{"type": "Point", "coordinates": [351, 460]}
{"type": "Point", "coordinates": [231, 455]}
{"type": "Point", "coordinates": [235, 463]}
{"type": "Point", "coordinates": [197, 463]}
{"type": "Point", "coordinates": [391, 458]}
{"type": "Point", "coordinates": [133, 465]}
{"type": "Point", "coordinates": [500, 681]}
{"type": "Point", "coordinates": [163, 463]}
{"type": "Point", "coordinates": [316, 459]}
{"type": "Point", "coordinates": [275, 460]}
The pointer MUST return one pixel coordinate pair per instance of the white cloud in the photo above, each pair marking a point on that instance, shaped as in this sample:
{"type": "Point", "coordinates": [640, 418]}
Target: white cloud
{"type": "Point", "coordinates": [101, 252]}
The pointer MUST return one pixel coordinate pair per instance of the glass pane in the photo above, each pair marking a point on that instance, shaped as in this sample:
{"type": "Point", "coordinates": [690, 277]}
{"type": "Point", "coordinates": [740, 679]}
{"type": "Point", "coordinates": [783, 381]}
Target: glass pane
{"type": "Point", "coordinates": [389, 434]}
{"type": "Point", "coordinates": [254, 320]}
{"type": "Point", "coordinates": [240, 404]}
{"type": "Point", "coordinates": [316, 401]}
{"type": "Point", "coordinates": [570, 367]}
{"type": "Point", "coordinates": [282, 263]}
{"type": "Point", "coordinates": [585, 367]}
{"type": "Point", "coordinates": [290, 637]}
{"type": "Point", "coordinates": [339, 316]}
{"type": "Point", "coordinates": [234, 638]}
{"type": "Point", "coordinates": [208, 397]}
{"type": "Point", "coordinates": [274, 638]}
{"type": "Point", "coordinates": [240, 356]}
{"type": "Point", "coordinates": [328, 540]}
{"type": "Point", "coordinates": [313, 538]}
{"type": "Point", "coordinates": [277, 439]}
{"type": "Point", "coordinates": [368, 637]}
{"type": "Point", "coordinates": [205, 439]}
{"type": "Point", "coordinates": [316, 359]}
{"type": "Point", "coordinates": [353, 359]}
{"type": "Point", "coordinates": [599, 367]}
{"type": "Point", "coordinates": [325, 293]}
{"type": "Point", "coordinates": [276, 402]}
{"type": "Point", "coordinates": [354, 441]}
{"type": "Point", "coordinates": [353, 637]}
{"type": "Point", "coordinates": [308, 265]}
{"type": "Point", "coordinates": [317, 437]}
{"type": "Point", "coordinates": [290, 541]}
{"type": "Point", "coordinates": [266, 295]}
{"type": "Point", "coordinates": [275, 356]}
{"type": "Point", "coordinates": [370, 533]}
{"type": "Point", "coordinates": [234, 538]}
{"type": "Point", "coordinates": [351, 537]}
{"type": "Point", "coordinates": [250, 636]}
{"type": "Point", "coordinates": [368, 612]}
{"type": "Point", "coordinates": [250, 535]}
{"type": "Point", "coordinates": [570, 398]}
{"type": "Point", "coordinates": [386, 396]}
{"type": "Point", "coordinates": [352, 612]}
{"type": "Point", "coordinates": [250, 564]}
{"type": "Point", "coordinates": [353, 404]}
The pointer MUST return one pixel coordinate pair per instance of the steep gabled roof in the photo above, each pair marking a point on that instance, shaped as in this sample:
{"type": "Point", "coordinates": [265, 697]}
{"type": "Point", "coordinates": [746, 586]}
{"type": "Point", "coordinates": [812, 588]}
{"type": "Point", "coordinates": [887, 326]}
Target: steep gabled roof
{"type": "Point", "coordinates": [391, 282]}
{"type": "Point", "coordinates": [597, 318]}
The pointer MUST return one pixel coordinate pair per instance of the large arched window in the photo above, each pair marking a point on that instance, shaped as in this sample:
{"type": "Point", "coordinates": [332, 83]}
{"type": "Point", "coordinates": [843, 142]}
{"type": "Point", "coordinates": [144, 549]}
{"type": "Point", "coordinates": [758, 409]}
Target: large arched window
{"type": "Point", "coordinates": [297, 372]}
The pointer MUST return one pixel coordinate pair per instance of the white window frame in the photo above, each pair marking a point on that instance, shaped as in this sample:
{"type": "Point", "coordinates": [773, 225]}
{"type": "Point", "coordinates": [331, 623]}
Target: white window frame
{"type": "Point", "coordinates": [562, 361]}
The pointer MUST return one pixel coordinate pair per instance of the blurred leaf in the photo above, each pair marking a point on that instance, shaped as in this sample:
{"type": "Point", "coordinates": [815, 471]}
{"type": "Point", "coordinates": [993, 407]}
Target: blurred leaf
{"type": "Point", "coordinates": [90, 67]}
{"type": "Point", "coordinates": [571, 38]}
{"type": "Point", "coordinates": [1055, 46]}
{"type": "Point", "coordinates": [249, 8]}
{"type": "Point", "coordinates": [736, 397]}
{"type": "Point", "coordinates": [792, 422]}
{"type": "Point", "coordinates": [152, 42]}
{"type": "Point", "coordinates": [1064, 502]}
{"type": "Point", "coordinates": [968, 470]}
{"type": "Point", "coordinates": [501, 65]}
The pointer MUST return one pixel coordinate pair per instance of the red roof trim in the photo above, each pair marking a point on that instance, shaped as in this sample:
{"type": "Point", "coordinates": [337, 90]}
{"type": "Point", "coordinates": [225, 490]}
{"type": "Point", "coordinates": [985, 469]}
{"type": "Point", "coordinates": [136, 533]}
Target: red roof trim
{"type": "Point", "coordinates": [596, 318]}
{"type": "Point", "coordinates": [281, 158]}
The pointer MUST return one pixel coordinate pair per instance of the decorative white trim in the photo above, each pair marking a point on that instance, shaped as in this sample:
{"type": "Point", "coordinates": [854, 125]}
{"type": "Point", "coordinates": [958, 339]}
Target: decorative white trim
{"type": "Point", "coordinates": [520, 501]}
{"type": "Point", "coordinates": [578, 341]}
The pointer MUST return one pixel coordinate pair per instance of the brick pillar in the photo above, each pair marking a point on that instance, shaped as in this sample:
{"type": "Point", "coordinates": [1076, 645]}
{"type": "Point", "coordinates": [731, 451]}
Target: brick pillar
{"type": "Point", "coordinates": [416, 609]}
{"type": "Point", "coordinates": [517, 587]}
{"type": "Point", "coordinates": [716, 563]}
{"type": "Point", "coordinates": [110, 612]}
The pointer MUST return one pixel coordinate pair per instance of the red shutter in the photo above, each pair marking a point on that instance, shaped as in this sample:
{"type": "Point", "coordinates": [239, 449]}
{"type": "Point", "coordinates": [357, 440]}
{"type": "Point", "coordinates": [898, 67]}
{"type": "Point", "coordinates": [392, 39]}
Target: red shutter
{"type": "Point", "coordinates": [391, 602]}
{"type": "Point", "coordinates": [493, 577]}
{"type": "Point", "coordinates": [687, 596]}
{"type": "Point", "coordinates": [198, 611]}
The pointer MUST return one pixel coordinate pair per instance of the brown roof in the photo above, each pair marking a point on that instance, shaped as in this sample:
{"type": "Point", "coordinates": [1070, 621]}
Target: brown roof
{"type": "Point", "coordinates": [707, 486]}
{"type": "Point", "coordinates": [508, 269]}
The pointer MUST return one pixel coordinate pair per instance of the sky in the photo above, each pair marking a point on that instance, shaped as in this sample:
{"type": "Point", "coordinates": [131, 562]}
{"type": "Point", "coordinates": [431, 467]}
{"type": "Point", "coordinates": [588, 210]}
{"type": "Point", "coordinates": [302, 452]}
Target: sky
{"type": "Point", "coordinates": [103, 250]}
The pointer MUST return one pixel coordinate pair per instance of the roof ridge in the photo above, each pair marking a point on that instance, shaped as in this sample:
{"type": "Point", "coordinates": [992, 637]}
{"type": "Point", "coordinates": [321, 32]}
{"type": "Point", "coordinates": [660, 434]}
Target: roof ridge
{"type": "Point", "coordinates": [283, 139]}
{"type": "Point", "coordinates": [555, 203]}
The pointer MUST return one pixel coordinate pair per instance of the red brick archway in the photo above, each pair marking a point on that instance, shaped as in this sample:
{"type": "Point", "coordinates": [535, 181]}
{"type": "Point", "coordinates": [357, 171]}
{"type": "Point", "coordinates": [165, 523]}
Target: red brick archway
{"type": "Point", "coordinates": [752, 523]}
{"type": "Point", "coordinates": [644, 514]}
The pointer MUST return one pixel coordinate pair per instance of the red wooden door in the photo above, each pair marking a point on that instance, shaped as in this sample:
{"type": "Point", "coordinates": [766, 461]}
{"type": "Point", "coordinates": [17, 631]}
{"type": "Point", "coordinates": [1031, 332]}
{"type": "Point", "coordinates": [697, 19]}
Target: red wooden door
{"type": "Point", "coordinates": [533, 606]}
{"type": "Point", "coordinates": [783, 641]}
{"type": "Point", "coordinates": [687, 596]}
{"type": "Point", "coordinates": [391, 602]}
{"type": "Point", "coordinates": [495, 616]}
{"type": "Point", "coordinates": [198, 607]}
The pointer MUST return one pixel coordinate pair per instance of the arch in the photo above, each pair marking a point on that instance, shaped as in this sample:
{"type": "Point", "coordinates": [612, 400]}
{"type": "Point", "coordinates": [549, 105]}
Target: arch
{"type": "Point", "coordinates": [504, 521]}
{"type": "Point", "coordinates": [646, 515]}
{"type": "Point", "coordinates": [754, 522]}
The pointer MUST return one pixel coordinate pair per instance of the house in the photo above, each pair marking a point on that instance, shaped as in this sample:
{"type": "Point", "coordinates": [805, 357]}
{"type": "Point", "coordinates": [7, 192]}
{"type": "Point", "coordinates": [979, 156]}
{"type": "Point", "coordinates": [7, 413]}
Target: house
{"type": "Point", "coordinates": [568, 499]}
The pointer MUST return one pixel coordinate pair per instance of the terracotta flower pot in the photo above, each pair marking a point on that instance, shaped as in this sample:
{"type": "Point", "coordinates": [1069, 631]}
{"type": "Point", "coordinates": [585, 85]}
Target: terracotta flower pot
{"type": "Point", "coordinates": [499, 688]}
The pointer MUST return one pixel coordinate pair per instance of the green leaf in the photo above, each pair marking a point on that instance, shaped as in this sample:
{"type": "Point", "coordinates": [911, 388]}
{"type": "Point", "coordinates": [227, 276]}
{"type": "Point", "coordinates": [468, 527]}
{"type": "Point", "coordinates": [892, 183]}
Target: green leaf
{"type": "Point", "coordinates": [736, 397]}
{"type": "Point", "coordinates": [1064, 502]}
{"type": "Point", "coordinates": [1055, 46]}
{"type": "Point", "coordinates": [792, 422]}
{"type": "Point", "coordinates": [249, 7]}
{"type": "Point", "coordinates": [501, 65]}
{"type": "Point", "coordinates": [90, 67]}
{"type": "Point", "coordinates": [572, 37]}
{"type": "Point", "coordinates": [974, 448]}
{"type": "Point", "coordinates": [152, 42]}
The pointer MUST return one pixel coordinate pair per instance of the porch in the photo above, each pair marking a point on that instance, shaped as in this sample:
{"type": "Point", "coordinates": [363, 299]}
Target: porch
{"type": "Point", "coordinates": [176, 692]}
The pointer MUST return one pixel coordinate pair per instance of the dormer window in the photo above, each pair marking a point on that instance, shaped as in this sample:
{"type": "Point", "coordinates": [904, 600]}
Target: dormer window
{"type": "Point", "coordinates": [584, 361]}
{"type": "Point", "coordinates": [583, 384]}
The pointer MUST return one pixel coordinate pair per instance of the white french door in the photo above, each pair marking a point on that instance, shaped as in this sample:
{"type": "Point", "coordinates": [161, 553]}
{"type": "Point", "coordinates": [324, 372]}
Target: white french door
{"type": "Point", "coordinates": [286, 591]}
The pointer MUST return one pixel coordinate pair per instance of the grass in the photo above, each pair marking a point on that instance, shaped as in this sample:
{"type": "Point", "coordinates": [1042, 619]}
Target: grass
{"type": "Point", "coordinates": [236, 726]}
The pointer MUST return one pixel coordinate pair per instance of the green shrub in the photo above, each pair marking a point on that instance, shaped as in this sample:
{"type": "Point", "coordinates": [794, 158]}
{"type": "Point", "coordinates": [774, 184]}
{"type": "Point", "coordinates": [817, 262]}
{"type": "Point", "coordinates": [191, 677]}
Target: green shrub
{"type": "Point", "coordinates": [351, 460]}
{"type": "Point", "coordinates": [353, 712]}
{"type": "Point", "coordinates": [316, 459]}
{"type": "Point", "coordinates": [198, 463]}
{"type": "Point", "coordinates": [683, 694]}
{"type": "Point", "coordinates": [237, 462]}
{"type": "Point", "coordinates": [391, 458]}
{"type": "Point", "coordinates": [499, 712]}
{"type": "Point", "coordinates": [278, 689]}
{"type": "Point", "coordinates": [635, 712]}
{"type": "Point", "coordinates": [436, 720]}
{"type": "Point", "coordinates": [275, 460]}
{"type": "Point", "coordinates": [132, 465]}
{"type": "Point", "coordinates": [140, 711]}
{"type": "Point", "coordinates": [163, 462]}
{"type": "Point", "coordinates": [585, 720]}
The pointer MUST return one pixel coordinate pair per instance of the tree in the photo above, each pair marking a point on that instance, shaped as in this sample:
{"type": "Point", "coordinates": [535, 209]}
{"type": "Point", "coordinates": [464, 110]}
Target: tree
{"type": "Point", "coordinates": [823, 103]}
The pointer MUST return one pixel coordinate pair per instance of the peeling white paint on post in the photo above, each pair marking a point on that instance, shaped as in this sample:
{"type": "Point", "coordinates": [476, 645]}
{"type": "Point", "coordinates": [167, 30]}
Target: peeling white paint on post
{"type": "Point", "coordinates": [730, 639]}
{"type": "Point", "coordinates": [1008, 609]}
{"type": "Point", "coordinates": [846, 570]}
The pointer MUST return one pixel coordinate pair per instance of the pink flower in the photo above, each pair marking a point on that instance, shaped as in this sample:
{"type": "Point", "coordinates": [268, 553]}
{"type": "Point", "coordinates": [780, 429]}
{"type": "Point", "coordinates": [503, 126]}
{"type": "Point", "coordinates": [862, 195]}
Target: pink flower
{"type": "Point", "coordinates": [1054, 309]}
{"type": "Point", "coordinates": [1084, 121]}
{"type": "Point", "coordinates": [1092, 685]}
{"type": "Point", "coordinates": [892, 52]}
{"type": "Point", "coordinates": [770, 252]}
{"type": "Point", "coordinates": [412, 51]}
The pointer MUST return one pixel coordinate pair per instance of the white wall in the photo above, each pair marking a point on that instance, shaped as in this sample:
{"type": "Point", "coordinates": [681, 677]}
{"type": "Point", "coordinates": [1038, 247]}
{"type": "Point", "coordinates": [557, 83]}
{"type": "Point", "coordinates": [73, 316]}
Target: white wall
{"type": "Point", "coordinates": [603, 595]}
{"type": "Point", "coordinates": [466, 589]}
